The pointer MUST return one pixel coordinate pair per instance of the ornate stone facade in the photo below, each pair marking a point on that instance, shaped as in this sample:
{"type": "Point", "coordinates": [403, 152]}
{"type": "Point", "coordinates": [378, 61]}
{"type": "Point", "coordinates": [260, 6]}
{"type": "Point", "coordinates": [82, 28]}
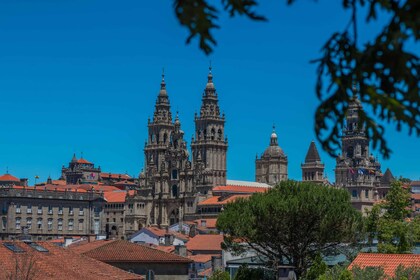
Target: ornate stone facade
{"type": "Point", "coordinates": [80, 171]}
{"type": "Point", "coordinates": [271, 167]}
{"type": "Point", "coordinates": [357, 170]}
{"type": "Point", "coordinates": [170, 184]}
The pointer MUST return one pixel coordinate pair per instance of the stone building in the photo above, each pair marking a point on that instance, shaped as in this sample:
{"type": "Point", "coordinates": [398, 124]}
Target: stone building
{"type": "Point", "coordinates": [49, 213]}
{"type": "Point", "coordinates": [171, 184]}
{"type": "Point", "coordinates": [313, 168]}
{"type": "Point", "coordinates": [357, 170]}
{"type": "Point", "coordinates": [80, 171]}
{"type": "Point", "coordinates": [271, 167]}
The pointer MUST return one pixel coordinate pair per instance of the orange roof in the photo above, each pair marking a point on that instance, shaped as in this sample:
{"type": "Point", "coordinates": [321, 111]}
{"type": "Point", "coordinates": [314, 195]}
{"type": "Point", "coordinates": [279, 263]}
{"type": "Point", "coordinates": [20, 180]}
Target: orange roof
{"type": "Point", "coordinates": [124, 182]}
{"type": "Point", "coordinates": [389, 262]}
{"type": "Point", "coordinates": [210, 223]}
{"type": "Point", "coordinates": [82, 160]}
{"type": "Point", "coordinates": [8, 177]}
{"type": "Point", "coordinates": [115, 197]}
{"type": "Point", "coordinates": [205, 242]}
{"type": "Point", "coordinates": [218, 200]}
{"type": "Point", "coordinates": [124, 251]}
{"type": "Point", "coordinates": [58, 263]}
{"type": "Point", "coordinates": [201, 258]}
{"type": "Point", "coordinates": [68, 188]}
{"type": "Point", "coordinates": [167, 249]}
{"type": "Point", "coordinates": [206, 272]}
{"type": "Point", "coordinates": [239, 189]}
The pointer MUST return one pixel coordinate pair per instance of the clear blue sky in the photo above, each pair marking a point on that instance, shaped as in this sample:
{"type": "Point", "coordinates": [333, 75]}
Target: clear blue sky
{"type": "Point", "coordinates": [83, 76]}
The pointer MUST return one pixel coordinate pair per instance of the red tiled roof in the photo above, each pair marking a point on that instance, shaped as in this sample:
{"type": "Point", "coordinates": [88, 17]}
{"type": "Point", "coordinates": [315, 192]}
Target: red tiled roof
{"type": "Point", "coordinates": [201, 258]}
{"type": "Point", "coordinates": [210, 223]}
{"type": "Point", "coordinates": [206, 272]}
{"type": "Point", "coordinates": [67, 188]}
{"type": "Point", "coordinates": [218, 200]}
{"type": "Point", "coordinates": [115, 197]}
{"type": "Point", "coordinates": [205, 242]}
{"type": "Point", "coordinates": [239, 189]}
{"type": "Point", "coordinates": [82, 160]}
{"type": "Point", "coordinates": [167, 249]}
{"type": "Point", "coordinates": [389, 262]}
{"type": "Point", "coordinates": [124, 251]}
{"type": "Point", "coordinates": [114, 176]}
{"type": "Point", "coordinates": [8, 177]}
{"type": "Point", "coordinates": [161, 232]}
{"type": "Point", "coordinates": [124, 182]}
{"type": "Point", "coordinates": [58, 263]}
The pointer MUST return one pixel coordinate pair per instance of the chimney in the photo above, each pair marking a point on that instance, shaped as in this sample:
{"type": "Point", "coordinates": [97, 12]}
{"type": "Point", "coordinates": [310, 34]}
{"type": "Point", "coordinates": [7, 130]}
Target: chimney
{"type": "Point", "coordinates": [203, 223]}
{"type": "Point", "coordinates": [216, 263]}
{"type": "Point", "coordinates": [67, 241]}
{"type": "Point", "coordinates": [169, 239]}
{"type": "Point", "coordinates": [181, 250]}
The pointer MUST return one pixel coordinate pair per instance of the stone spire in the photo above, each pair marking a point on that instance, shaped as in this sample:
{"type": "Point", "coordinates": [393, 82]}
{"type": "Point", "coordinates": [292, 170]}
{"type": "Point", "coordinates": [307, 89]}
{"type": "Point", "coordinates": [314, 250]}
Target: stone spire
{"type": "Point", "coordinates": [162, 112]}
{"type": "Point", "coordinates": [312, 155]}
{"type": "Point", "coordinates": [74, 159]}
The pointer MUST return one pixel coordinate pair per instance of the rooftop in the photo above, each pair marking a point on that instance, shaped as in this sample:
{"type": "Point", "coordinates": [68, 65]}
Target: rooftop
{"type": "Point", "coordinates": [205, 242]}
{"type": "Point", "coordinates": [56, 263]}
{"type": "Point", "coordinates": [389, 262]}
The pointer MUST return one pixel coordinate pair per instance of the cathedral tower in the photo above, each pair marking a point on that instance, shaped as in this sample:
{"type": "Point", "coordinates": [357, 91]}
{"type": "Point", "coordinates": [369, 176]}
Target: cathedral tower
{"type": "Point", "coordinates": [356, 169]}
{"type": "Point", "coordinates": [209, 144]}
{"type": "Point", "coordinates": [271, 168]}
{"type": "Point", "coordinates": [313, 168]}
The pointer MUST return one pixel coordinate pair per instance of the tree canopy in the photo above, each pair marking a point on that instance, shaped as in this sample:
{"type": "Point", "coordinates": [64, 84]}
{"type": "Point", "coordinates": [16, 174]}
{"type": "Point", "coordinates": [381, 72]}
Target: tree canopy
{"type": "Point", "coordinates": [291, 223]}
{"type": "Point", "coordinates": [386, 73]}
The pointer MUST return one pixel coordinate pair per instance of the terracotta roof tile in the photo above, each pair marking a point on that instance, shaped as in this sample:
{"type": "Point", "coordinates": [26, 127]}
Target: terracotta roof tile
{"type": "Point", "coordinates": [210, 223]}
{"type": "Point", "coordinates": [58, 263]}
{"type": "Point", "coordinates": [105, 175]}
{"type": "Point", "coordinates": [205, 242]}
{"type": "Point", "coordinates": [219, 200]}
{"type": "Point", "coordinates": [115, 197]}
{"type": "Point", "coordinates": [239, 189]}
{"type": "Point", "coordinates": [124, 251]}
{"type": "Point", "coordinates": [206, 272]}
{"type": "Point", "coordinates": [201, 258]}
{"type": "Point", "coordinates": [389, 262]}
{"type": "Point", "coordinates": [8, 177]}
{"type": "Point", "coordinates": [82, 160]}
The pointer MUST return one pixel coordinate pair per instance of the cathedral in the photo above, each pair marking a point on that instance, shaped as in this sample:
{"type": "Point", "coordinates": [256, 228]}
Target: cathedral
{"type": "Point", "coordinates": [172, 183]}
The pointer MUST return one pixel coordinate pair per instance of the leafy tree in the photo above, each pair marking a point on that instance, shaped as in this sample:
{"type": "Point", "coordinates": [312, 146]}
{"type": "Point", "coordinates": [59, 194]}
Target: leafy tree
{"type": "Point", "coordinates": [336, 273]}
{"type": "Point", "coordinates": [318, 268]}
{"type": "Point", "coordinates": [395, 233]}
{"type": "Point", "coordinates": [368, 273]}
{"type": "Point", "coordinates": [220, 275]}
{"type": "Point", "coordinates": [291, 223]}
{"type": "Point", "coordinates": [406, 273]}
{"type": "Point", "coordinates": [386, 73]}
{"type": "Point", "coordinates": [246, 273]}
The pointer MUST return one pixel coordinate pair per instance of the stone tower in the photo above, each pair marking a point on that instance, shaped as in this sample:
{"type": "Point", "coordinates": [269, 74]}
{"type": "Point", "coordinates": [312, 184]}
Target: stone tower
{"type": "Point", "coordinates": [166, 185]}
{"type": "Point", "coordinates": [209, 145]}
{"type": "Point", "coordinates": [313, 168]}
{"type": "Point", "coordinates": [356, 169]}
{"type": "Point", "coordinates": [271, 168]}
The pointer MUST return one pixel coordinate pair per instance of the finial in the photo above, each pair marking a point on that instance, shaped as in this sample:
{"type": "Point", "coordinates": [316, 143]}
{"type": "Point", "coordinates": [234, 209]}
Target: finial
{"type": "Point", "coordinates": [210, 66]}
{"type": "Point", "coordinates": [81, 154]}
{"type": "Point", "coordinates": [163, 74]}
{"type": "Point", "coordinates": [210, 75]}
{"type": "Point", "coordinates": [162, 83]}
{"type": "Point", "coordinates": [7, 169]}
{"type": "Point", "coordinates": [274, 127]}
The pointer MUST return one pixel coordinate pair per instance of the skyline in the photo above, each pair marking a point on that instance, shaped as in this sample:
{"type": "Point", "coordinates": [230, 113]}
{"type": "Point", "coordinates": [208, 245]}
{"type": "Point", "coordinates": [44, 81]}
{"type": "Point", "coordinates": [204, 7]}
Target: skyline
{"type": "Point", "coordinates": [89, 85]}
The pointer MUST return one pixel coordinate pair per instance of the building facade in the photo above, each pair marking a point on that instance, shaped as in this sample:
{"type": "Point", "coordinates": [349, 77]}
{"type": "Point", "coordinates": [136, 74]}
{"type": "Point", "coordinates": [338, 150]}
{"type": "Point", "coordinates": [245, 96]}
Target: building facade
{"type": "Point", "coordinates": [48, 214]}
{"type": "Point", "coordinates": [357, 170]}
{"type": "Point", "coordinates": [171, 185]}
{"type": "Point", "coordinates": [271, 167]}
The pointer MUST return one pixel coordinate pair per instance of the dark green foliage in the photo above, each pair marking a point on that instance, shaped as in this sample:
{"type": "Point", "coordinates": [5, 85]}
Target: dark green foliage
{"type": "Point", "coordinates": [246, 273]}
{"type": "Point", "coordinates": [318, 268]}
{"type": "Point", "coordinates": [386, 74]}
{"type": "Point", "coordinates": [408, 273]}
{"type": "Point", "coordinates": [368, 273]}
{"type": "Point", "coordinates": [220, 275]}
{"type": "Point", "coordinates": [394, 231]}
{"type": "Point", "coordinates": [291, 223]}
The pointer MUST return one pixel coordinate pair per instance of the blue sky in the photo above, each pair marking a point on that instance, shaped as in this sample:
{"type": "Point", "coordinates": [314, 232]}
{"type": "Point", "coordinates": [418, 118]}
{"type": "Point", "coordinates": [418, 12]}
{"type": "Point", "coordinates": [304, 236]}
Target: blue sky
{"type": "Point", "coordinates": [83, 76]}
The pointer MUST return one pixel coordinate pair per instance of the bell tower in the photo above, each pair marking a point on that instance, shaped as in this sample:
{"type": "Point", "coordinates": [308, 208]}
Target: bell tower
{"type": "Point", "coordinates": [209, 145]}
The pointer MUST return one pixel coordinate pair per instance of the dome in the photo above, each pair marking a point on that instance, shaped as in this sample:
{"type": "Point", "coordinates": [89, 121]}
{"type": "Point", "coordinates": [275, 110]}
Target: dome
{"type": "Point", "coordinates": [273, 135]}
{"type": "Point", "coordinates": [273, 151]}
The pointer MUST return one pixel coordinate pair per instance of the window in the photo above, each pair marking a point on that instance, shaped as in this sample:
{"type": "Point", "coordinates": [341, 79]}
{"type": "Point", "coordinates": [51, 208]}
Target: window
{"type": "Point", "coordinates": [175, 191]}
{"type": "Point", "coordinates": [60, 210]}
{"type": "Point", "coordinates": [70, 210]}
{"type": "Point", "coordinates": [50, 209]}
{"type": "Point", "coordinates": [37, 247]}
{"type": "Point", "coordinates": [39, 209]}
{"type": "Point", "coordinates": [354, 193]}
{"type": "Point", "coordinates": [50, 224]}
{"type": "Point", "coordinates": [80, 224]}
{"type": "Point", "coordinates": [29, 223]}
{"type": "Point", "coordinates": [366, 193]}
{"type": "Point", "coordinates": [174, 174]}
{"type": "Point", "coordinates": [60, 224]}
{"type": "Point", "coordinates": [13, 247]}
{"type": "Point", "coordinates": [29, 209]}
{"type": "Point", "coordinates": [18, 208]}
{"type": "Point", "coordinates": [17, 223]}
{"type": "Point", "coordinates": [71, 224]}
{"type": "Point", "coordinates": [39, 223]}
{"type": "Point", "coordinates": [81, 211]}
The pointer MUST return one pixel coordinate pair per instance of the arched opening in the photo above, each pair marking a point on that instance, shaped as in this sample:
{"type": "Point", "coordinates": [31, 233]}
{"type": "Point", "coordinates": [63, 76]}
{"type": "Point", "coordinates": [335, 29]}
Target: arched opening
{"type": "Point", "coordinates": [174, 217]}
{"type": "Point", "coordinates": [165, 138]}
{"type": "Point", "coordinates": [213, 133]}
{"type": "Point", "coordinates": [219, 134]}
{"type": "Point", "coordinates": [175, 191]}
